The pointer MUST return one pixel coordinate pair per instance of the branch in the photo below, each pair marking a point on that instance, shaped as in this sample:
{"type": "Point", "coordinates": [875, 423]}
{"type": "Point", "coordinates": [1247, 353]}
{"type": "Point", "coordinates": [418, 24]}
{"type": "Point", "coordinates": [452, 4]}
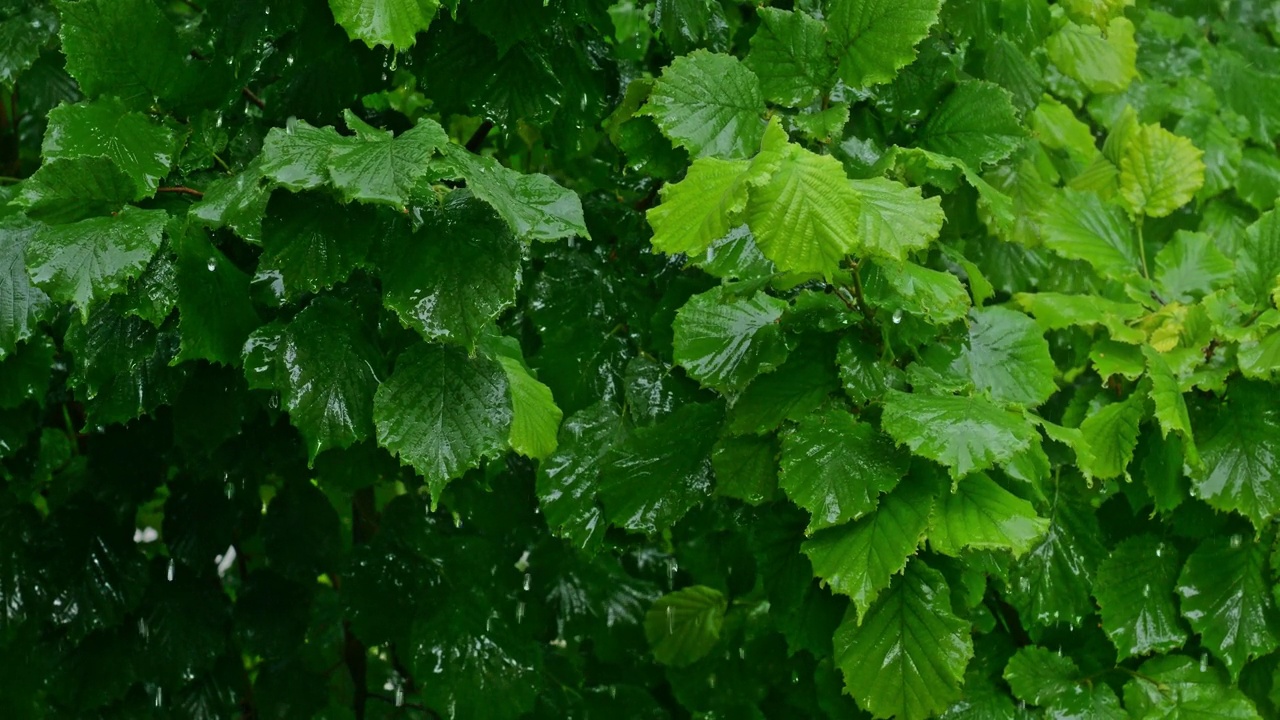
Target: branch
{"type": "Point", "coordinates": [181, 189]}
{"type": "Point", "coordinates": [251, 97]}
{"type": "Point", "coordinates": [478, 138]}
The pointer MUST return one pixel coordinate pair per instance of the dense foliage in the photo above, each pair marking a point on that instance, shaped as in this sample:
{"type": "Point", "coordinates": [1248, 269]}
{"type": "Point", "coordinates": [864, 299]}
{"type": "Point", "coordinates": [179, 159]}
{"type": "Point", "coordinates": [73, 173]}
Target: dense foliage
{"type": "Point", "coordinates": [567, 359]}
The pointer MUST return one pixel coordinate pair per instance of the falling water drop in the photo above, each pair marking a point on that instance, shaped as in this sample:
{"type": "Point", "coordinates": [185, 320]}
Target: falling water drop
{"type": "Point", "coordinates": [212, 264]}
{"type": "Point", "coordinates": [170, 570]}
{"type": "Point", "coordinates": [1204, 662]}
{"type": "Point", "coordinates": [399, 697]}
{"type": "Point", "coordinates": [897, 316]}
{"type": "Point", "coordinates": [520, 612]}
{"type": "Point", "coordinates": [159, 697]}
{"type": "Point", "coordinates": [394, 60]}
{"type": "Point", "coordinates": [1236, 541]}
{"type": "Point", "coordinates": [671, 620]}
{"type": "Point", "coordinates": [527, 580]}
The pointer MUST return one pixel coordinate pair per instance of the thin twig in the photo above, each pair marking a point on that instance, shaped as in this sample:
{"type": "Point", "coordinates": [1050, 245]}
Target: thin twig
{"type": "Point", "coordinates": [181, 189]}
{"type": "Point", "coordinates": [478, 137]}
{"type": "Point", "coordinates": [6, 180]}
{"type": "Point", "coordinates": [251, 97]}
{"type": "Point", "coordinates": [857, 293]}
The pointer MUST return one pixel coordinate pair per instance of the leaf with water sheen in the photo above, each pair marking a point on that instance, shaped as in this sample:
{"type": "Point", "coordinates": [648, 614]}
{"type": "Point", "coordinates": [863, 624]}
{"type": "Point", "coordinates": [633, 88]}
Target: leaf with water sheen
{"type": "Point", "coordinates": [237, 202]}
{"type": "Point", "coordinates": [99, 38]}
{"type": "Point", "coordinates": [1102, 62]}
{"type": "Point", "coordinates": [326, 367]}
{"type": "Point", "coordinates": [1080, 226]}
{"type": "Point", "coordinates": [568, 480]}
{"type": "Point", "coordinates": [390, 23]}
{"type": "Point", "coordinates": [710, 104]}
{"type": "Point", "coordinates": [533, 204]}
{"type": "Point", "coordinates": [1007, 357]}
{"type": "Point", "coordinates": [859, 559]}
{"type": "Point", "coordinates": [965, 434]}
{"type": "Point", "coordinates": [976, 123]}
{"type": "Point", "coordinates": [684, 626]}
{"type": "Point", "coordinates": [981, 515]}
{"type": "Point", "coordinates": [1226, 596]}
{"type": "Point", "coordinates": [895, 219]}
{"type": "Point", "coordinates": [215, 311]}
{"type": "Point", "coordinates": [1041, 677]}
{"type": "Point", "coordinates": [454, 275]}
{"type": "Point", "coordinates": [661, 472]}
{"type": "Point", "coordinates": [701, 208]}
{"type": "Point", "coordinates": [873, 39]}
{"type": "Point", "coordinates": [1159, 172]}
{"type": "Point", "coordinates": [535, 418]}
{"type": "Point", "coordinates": [836, 467]}
{"type": "Point", "coordinates": [442, 412]}
{"type": "Point", "coordinates": [1111, 433]}
{"type": "Point", "coordinates": [1180, 688]}
{"type": "Point", "coordinates": [69, 189]}
{"type": "Point", "coordinates": [1135, 591]}
{"type": "Point", "coordinates": [789, 54]}
{"type": "Point", "coordinates": [315, 243]}
{"type": "Point", "coordinates": [724, 341]}
{"type": "Point", "coordinates": [1051, 584]}
{"type": "Point", "coordinates": [380, 168]}
{"type": "Point", "coordinates": [297, 157]}
{"type": "Point", "coordinates": [1240, 449]}
{"type": "Point", "coordinates": [906, 659]}
{"type": "Point", "coordinates": [91, 260]}
{"type": "Point", "coordinates": [21, 37]}
{"type": "Point", "coordinates": [22, 304]}
{"type": "Point", "coordinates": [141, 147]}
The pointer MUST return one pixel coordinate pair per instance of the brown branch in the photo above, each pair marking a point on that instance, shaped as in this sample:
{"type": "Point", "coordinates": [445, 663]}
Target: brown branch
{"type": "Point", "coordinates": [251, 97]}
{"type": "Point", "coordinates": [181, 189]}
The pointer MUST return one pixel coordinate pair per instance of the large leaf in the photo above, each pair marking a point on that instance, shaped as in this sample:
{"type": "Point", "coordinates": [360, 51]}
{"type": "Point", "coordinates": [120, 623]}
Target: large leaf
{"type": "Point", "coordinates": [1007, 357]}
{"type": "Point", "coordinates": [381, 168]}
{"type": "Point", "coordinates": [895, 219]}
{"type": "Point", "coordinates": [1052, 583]}
{"type": "Point", "coordinates": [976, 123]}
{"type": "Point", "coordinates": [860, 558]}
{"type": "Point", "coordinates": [965, 434]}
{"type": "Point", "coordinates": [1179, 688]}
{"type": "Point", "coordinates": [93, 259]}
{"type": "Point", "coordinates": [1239, 449]}
{"type": "Point", "coordinates": [568, 480]}
{"type": "Point", "coordinates": [326, 367]}
{"type": "Point", "coordinates": [1080, 226]}
{"type": "Point", "coordinates": [725, 341]}
{"type": "Point", "coordinates": [391, 23]}
{"type": "Point", "coordinates": [1159, 172]}
{"type": "Point", "coordinates": [297, 157]}
{"type": "Point", "coordinates": [875, 38]}
{"type": "Point", "coordinates": [533, 205]}
{"type": "Point", "coordinates": [684, 626]}
{"type": "Point", "coordinates": [442, 412]}
{"type": "Point", "coordinates": [1226, 596]}
{"type": "Point", "coordinates": [981, 515]}
{"type": "Point", "coordinates": [1135, 590]}
{"type": "Point", "coordinates": [907, 657]}
{"type": "Point", "coordinates": [99, 38]}
{"type": "Point", "coordinates": [789, 54]}
{"type": "Point", "coordinates": [710, 104]}
{"type": "Point", "coordinates": [21, 303]}
{"type": "Point", "coordinates": [142, 148]}
{"type": "Point", "coordinates": [454, 275]}
{"type": "Point", "coordinates": [836, 467]}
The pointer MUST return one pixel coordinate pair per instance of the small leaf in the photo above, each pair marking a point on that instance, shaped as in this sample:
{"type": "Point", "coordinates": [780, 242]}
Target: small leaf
{"type": "Point", "coordinates": [1051, 584]}
{"type": "Point", "coordinates": [1170, 406]}
{"type": "Point", "coordinates": [701, 208]}
{"type": "Point", "coordinates": [895, 219]}
{"type": "Point", "coordinates": [1111, 434]}
{"type": "Point", "coordinates": [1191, 266]}
{"type": "Point", "coordinates": [906, 659]}
{"type": "Point", "coordinates": [1238, 447]}
{"type": "Point", "coordinates": [142, 148]}
{"type": "Point", "coordinates": [684, 626]}
{"type": "Point", "coordinates": [1048, 679]}
{"type": "Point", "coordinates": [237, 202]}
{"type": "Point", "coordinates": [1102, 62]}
{"type": "Point", "coordinates": [1176, 686]}
{"type": "Point", "coordinates": [1226, 597]}
{"type": "Point", "coordinates": [535, 418]}
{"type": "Point", "coordinates": [1135, 591]}
{"type": "Point", "coordinates": [874, 39]}
{"type": "Point", "coordinates": [724, 341]}
{"type": "Point", "coordinates": [964, 434]}
{"type": "Point", "coordinates": [390, 23]}
{"type": "Point", "coordinates": [1159, 172]}
{"type": "Point", "coordinates": [1258, 261]}
{"type": "Point", "coordinates": [981, 515]}
{"type": "Point", "coordinates": [22, 304]}
{"type": "Point", "coordinates": [297, 157]}
{"type": "Point", "coordinates": [710, 104]}
{"type": "Point", "coordinates": [568, 480]}
{"type": "Point", "coordinates": [976, 123]}
{"type": "Point", "coordinates": [935, 296]}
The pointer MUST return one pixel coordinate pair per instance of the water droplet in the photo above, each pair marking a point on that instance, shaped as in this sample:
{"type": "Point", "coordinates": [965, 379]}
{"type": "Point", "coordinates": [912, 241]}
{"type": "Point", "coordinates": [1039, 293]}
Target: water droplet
{"type": "Point", "coordinates": [613, 692]}
{"type": "Point", "coordinates": [273, 402]}
{"type": "Point", "coordinates": [527, 580]}
{"type": "Point", "coordinates": [897, 316]}
{"type": "Point", "coordinates": [394, 60]}
{"type": "Point", "coordinates": [520, 612]}
{"type": "Point", "coordinates": [170, 570]}
{"type": "Point", "coordinates": [1204, 662]}
{"type": "Point", "coordinates": [212, 264]}
{"type": "Point", "coordinates": [742, 653]}
{"type": "Point", "coordinates": [671, 620]}
{"type": "Point", "coordinates": [672, 567]}
{"type": "Point", "coordinates": [159, 697]}
{"type": "Point", "coordinates": [399, 697]}
{"type": "Point", "coordinates": [1236, 541]}
{"type": "Point", "coordinates": [711, 681]}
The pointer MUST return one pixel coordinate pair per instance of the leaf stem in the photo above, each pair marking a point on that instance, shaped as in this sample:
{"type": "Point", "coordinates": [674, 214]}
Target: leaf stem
{"type": "Point", "coordinates": [181, 189]}
{"type": "Point", "coordinates": [1142, 248]}
{"type": "Point", "coordinates": [867, 312]}
{"type": "Point", "coordinates": [6, 180]}
{"type": "Point", "coordinates": [251, 97]}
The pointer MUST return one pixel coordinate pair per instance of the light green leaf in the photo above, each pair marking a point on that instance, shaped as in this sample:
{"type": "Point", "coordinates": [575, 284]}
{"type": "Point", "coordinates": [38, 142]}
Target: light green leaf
{"type": "Point", "coordinates": [1104, 62]}
{"type": "Point", "coordinates": [905, 287]}
{"type": "Point", "coordinates": [1259, 360]}
{"type": "Point", "coordinates": [1049, 679]}
{"type": "Point", "coordinates": [661, 472]}
{"type": "Point", "coordinates": [1051, 584]}
{"type": "Point", "coordinates": [1135, 591]}
{"type": "Point", "coordinates": [684, 626]}
{"type": "Point", "coordinates": [836, 467]}
{"type": "Point", "coordinates": [1258, 261]}
{"type": "Point", "coordinates": [1170, 406]}
{"type": "Point", "coordinates": [380, 168]}
{"type": "Point", "coordinates": [1159, 172]}
{"type": "Point", "coordinates": [297, 157]}
{"type": "Point", "coordinates": [1176, 687]}
{"type": "Point", "coordinates": [895, 219]}
{"type": "Point", "coordinates": [453, 276]}
{"type": "Point", "coordinates": [215, 310]}
{"type": "Point", "coordinates": [568, 480]}
{"type": "Point", "coordinates": [1116, 358]}
{"type": "Point", "coordinates": [860, 558]}
{"type": "Point", "coordinates": [976, 123]}
{"type": "Point", "coordinates": [390, 23]}
{"type": "Point", "coordinates": [789, 55]}
{"type": "Point", "coordinates": [1080, 226]}
{"type": "Point", "coordinates": [91, 260]}
{"type": "Point", "coordinates": [325, 365]}
{"type": "Point", "coordinates": [314, 242]}
{"type": "Point", "coordinates": [142, 148]}
{"type": "Point", "coordinates": [906, 659]}
{"type": "Point", "coordinates": [1226, 597]}
{"type": "Point", "coordinates": [701, 208]}
{"type": "Point", "coordinates": [1111, 434]}
{"type": "Point", "coordinates": [1007, 357]}
{"type": "Point", "coordinates": [1239, 447]}
{"type": "Point", "coordinates": [873, 39]}
{"type": "Point", "coordinates": [22, 304]}
{"type": "Point", "coordinates": [533, 205]}
{"type": "Point", "coordinates": [1054, 311]}
{"type": "Point", "coordinates": [535, 418]}
{"type": "Point", "coordinates": [1191, 266]}
{"type": "Point", "coordinates": [980, 514]}
{"type": "Point", "coordinates": [710, 104]}
{"type": "Point", "coordinates": [442, 412]}
{"type": "Point", "coordinates": [725, 341]}
{"type": "Point", "coordinates": [966, 434]}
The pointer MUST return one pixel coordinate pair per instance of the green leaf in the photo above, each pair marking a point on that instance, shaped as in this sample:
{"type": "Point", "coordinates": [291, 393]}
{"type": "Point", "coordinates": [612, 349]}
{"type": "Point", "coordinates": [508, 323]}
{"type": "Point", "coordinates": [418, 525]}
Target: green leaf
{"type": "Point", "coordinates": [660, 472]}
{"type": "Point", "coordinates": [442, 412]}
{"type": "Point", "coordinates": [1135, 591]}
{"type": "Point", "coordinates": [907, 657]}
{"type": "Point", "coordinates": [1111, 434]}
{"type": "Point", "coordinates": [1238, 447]}
{"type": "Point", "coordinates": [535, 418]}
{"type": "Point", "coordinates": [297, 157]}
{"type": "Point", "coordinates": [214, 307]}
{"type": "Point", "coordinates": [1223, 151]}
{"type": "Point", "coordinates": [325, 365]}
{"type": "Point", "coordinates": [735, 257]}
{"type": "Point", "coordinates": [1159, 172]}
{"type": "Point", "coordinates": [21, 37]}
{"type": "Point", "coordinates": [1170, 406]}
{"type": "Point", "coordinates": [789, 55]}
{"type": "Point", "coordinates": [709, 104]}
{"type": "Point", "coordinates": [99, 38]}
{"type": "Point", "coordinates": [746, 468]}
{"type": "Point", "coordinates": [1259, 180]}
{"type": "Point", "coordinates": [863, 376]}
{"type": "Point", "coordinates": [1191, 266]}
{"type": "Point", "coordinates": [805, 219]}
{"type": "Point", "coordinates": [798, 386]}
{"type": "Point", "coordinates": [1259, 360]}
{"type": "Point", "coordinates": [976, 123]}
{"type": "Point", "coordinates": [237, 202]}
{"type": "Point", "coordinates": [873, 39]}
{"type": "Point", "coordinates": [1055, 311]}
{"type": "Point", "coordinates": [390, 23]}
{"type": "Point", "coordinates": [380, 168]}
{"type": "Point", "coordinates": [937, 297]}
{"type": "Point", "coordinates": [684, 626]}
{"type": "Point", "coordinates": [701, 208]}
{"type": "Point", "coordinates": [1258, 260]}
{"type": "Point", "coordinates": [895, 219]}
{"type": "Point", "coordinates": [859, 559]}
{"type": "Point", "coordinates": [533, 205]}
{"type": "Point", "coordinates": [1080, 226]}
{"type": "Point", "coordinates": [313, 242]}
{"type": "Point", "coordinates": [966, 434]}
{"type": "Point", "coordinates": [724, 341]}
{"type": "Point", "coordinates": [1179, 688]}
{"type": "Point", "coordinates": [836, 467]}
{"type": "Point", "coordinates": [1104, 62]}
{"type": "Point", "coordinates": [1249, 90]}
{"type": "Point", "coordinates": [22, 304]}
{"type": "Point", "coordinates": [1051, 584]}
{"type": "Point", "coordinates": [65, 190]}
{"type": "Point", "coordinates": [568, 480]}
{"type": "Point", "coordinates": [142, 148]}
{"type": "Point", "coordinates": [980, 514]}
{"type": "Point", "coordinates": [453, 276]}
{"type": "Point", "coordinates": [91, 260]}
{"type": "Point", "coordinates": [1007, 358]}
{"type": "Point", "coordinates": [122, 365]}
{"type": "Point", "coordinates": [1226, 597]}
{"type": "Point", "coordinates": [1041, 677]}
